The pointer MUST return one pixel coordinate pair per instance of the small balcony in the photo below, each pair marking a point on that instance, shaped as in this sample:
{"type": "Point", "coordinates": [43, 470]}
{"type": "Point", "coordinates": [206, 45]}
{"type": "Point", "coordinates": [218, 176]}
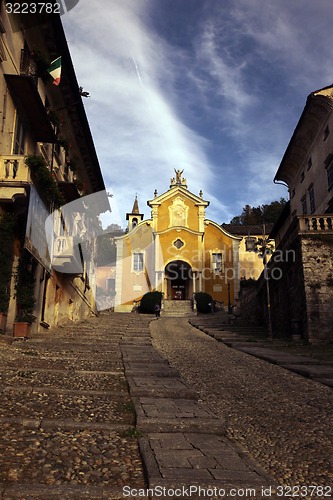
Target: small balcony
{"type": "Point", "coordinates": [14, 177]}
{"type": "Point", "coordinates": [66, 256]}
{"type": "Point", "coordinates": [13, 169]}
{"type": "Point", "coordinates": [316, 223]}
{"type": "Point", "coordinates": [24, 90]}
{"type": "Point", "coordinates": [28, 66]}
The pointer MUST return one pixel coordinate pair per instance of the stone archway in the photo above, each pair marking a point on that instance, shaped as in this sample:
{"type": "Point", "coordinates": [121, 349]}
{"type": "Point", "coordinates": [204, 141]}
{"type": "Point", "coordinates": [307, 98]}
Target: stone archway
{"type": "Point", "coordinates": [178, 274]}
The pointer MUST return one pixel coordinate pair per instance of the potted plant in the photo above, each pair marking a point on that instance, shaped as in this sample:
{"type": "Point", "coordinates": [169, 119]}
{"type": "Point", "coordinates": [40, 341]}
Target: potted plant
{"type": "Point", "coordinates": [7, 225]}
{"type": "Point", "coordinates": [42, 65]}
{"type": "Point", "coordinates": [24, 293]}
{"type": "Point", "coordinates": [45, 181]}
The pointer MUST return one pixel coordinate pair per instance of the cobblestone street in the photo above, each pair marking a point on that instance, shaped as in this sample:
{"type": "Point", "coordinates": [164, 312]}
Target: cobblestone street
{"type": "Point", "coordinates": [67, 421]}
{"type": "Point", "coordinates": [282, 420]}
{"type": "Point", "coordinates": [124, 400]}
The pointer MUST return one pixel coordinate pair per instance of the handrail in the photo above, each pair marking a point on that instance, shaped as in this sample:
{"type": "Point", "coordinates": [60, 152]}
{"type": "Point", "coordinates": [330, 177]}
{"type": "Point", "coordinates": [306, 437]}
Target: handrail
{"type": "Point", "coordinates": [315, 223]}
{"type": "Point", "coordinates": [13, 169]}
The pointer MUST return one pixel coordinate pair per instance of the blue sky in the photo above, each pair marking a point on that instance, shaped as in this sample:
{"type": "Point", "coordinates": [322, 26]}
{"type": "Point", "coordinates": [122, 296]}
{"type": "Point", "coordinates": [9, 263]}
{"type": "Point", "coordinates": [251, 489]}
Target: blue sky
{"type": "Point", "coordinates": [214, 87]}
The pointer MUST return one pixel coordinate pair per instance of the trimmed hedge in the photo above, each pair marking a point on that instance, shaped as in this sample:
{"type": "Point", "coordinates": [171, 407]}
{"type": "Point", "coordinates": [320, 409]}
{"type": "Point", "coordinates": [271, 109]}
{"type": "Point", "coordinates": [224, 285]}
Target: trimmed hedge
{"type": "Point", "coordinates": [148, 301]}
{"type": "Point", "coordinates": [203, 300]}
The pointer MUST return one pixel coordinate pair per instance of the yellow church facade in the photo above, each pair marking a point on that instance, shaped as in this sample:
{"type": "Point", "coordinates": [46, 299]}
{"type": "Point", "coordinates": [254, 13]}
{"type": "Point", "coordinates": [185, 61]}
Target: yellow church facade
{"type": "Point", "coordinates": [178, 251]}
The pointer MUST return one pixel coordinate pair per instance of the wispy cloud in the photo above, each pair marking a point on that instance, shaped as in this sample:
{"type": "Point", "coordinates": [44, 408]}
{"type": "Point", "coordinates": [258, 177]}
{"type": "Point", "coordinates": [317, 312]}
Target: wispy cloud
{"type": "Point", "coordinates": [220, 101]}
{"type": "Point", "coordinates": [138, 133]}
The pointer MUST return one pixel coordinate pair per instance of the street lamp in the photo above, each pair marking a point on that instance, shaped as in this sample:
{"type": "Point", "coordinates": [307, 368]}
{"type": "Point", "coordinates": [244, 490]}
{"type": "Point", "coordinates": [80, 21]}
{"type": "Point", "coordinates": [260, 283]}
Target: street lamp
{"type": "Point", "coordinates": [264, 248]}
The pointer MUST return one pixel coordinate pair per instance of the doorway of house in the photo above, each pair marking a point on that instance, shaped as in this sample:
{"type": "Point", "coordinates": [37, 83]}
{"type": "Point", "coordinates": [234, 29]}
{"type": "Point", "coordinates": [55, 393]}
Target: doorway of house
{"type": "Point", "coordinates": [178, 275]}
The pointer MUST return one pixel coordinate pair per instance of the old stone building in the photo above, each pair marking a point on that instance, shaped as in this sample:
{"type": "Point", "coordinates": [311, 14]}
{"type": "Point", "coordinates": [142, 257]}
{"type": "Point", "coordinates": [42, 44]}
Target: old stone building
{"type": "Point", "coordinates": [301, 269]}
{"type": "Point", "coordinates": [47, 160]}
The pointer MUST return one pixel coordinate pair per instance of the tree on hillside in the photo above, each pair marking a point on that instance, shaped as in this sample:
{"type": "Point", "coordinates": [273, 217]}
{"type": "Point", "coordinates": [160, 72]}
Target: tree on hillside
{"type": "Point", "coordinates": [268, 213]}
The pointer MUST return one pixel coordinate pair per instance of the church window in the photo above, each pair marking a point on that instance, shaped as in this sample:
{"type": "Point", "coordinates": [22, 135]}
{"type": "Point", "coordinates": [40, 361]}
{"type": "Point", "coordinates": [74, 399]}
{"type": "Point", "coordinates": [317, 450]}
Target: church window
{"type": "Point", "coordinates": [110, 285]}
{"type": "Point", "coordinates": [217, 262]}
{"type": "Point", "coordinates": [138, 262]}
{"type": "Point", "coordinates": [178, 243]}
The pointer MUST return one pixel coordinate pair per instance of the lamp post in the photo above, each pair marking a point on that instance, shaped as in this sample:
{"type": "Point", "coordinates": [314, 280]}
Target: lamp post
{"type": "Point", "coordinates": [263, 247]}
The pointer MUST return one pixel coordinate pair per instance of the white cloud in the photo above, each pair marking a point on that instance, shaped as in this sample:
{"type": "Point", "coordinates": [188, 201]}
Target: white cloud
{"type": "Point", "coordinates": [126, 68]}
{"type": "Point", "coordinates": [221, 106]}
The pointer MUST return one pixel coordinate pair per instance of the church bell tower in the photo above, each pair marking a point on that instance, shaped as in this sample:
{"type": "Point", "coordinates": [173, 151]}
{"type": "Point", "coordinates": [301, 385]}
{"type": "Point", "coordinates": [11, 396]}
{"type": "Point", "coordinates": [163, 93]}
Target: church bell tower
{"type": "Point", "coordinates": [134, 217]}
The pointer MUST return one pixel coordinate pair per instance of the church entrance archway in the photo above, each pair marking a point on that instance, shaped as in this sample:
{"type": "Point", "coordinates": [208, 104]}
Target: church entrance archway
{"type": "Point", "coordinates": [179, 280]}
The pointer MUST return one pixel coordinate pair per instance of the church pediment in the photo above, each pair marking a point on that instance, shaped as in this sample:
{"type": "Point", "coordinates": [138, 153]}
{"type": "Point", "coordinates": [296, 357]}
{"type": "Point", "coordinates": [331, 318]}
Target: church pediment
{"type": "Point", "coordinates": [178, 207]}
{"type": "Point", "coordinates": [178, 191]}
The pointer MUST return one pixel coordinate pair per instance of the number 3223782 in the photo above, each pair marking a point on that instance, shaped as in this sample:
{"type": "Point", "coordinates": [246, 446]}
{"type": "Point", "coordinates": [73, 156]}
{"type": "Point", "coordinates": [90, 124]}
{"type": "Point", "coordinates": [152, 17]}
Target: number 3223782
{"type": "Point", "coordinates": [32, 8]}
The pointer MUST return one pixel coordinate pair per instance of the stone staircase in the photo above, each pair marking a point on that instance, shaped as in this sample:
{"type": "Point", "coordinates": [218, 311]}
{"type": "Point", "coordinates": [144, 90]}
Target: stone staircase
{"type": "Point", "coordinates": [177, 308]}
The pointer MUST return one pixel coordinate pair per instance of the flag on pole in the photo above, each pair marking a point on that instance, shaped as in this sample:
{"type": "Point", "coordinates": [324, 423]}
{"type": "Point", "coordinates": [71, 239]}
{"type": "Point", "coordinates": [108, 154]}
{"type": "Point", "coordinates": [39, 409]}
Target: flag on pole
{"type": "Point", "coordinates": [55, 70]}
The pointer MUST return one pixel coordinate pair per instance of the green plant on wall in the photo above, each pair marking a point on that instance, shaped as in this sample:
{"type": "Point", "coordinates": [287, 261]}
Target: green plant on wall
{"type": "Point", "coordinates": [7, 226]}
{"type": "Point", "coordinates": [25, 288]}
{"type": "Point", "coordinates": [42, 65]}
{"type": "Point", "coordinates": [45, 182]}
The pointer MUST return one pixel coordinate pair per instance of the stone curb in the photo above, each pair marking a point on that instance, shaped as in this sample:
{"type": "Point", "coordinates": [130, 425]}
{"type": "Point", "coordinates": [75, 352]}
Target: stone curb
{"type": "Point", "coordinates": [180, 390]}
{"type": "Point", "coordinates": [61, 492]}
{"type": "Point", "coordinates": [68, 424]}
{"type": "Point", "coordinates": [299, 364]}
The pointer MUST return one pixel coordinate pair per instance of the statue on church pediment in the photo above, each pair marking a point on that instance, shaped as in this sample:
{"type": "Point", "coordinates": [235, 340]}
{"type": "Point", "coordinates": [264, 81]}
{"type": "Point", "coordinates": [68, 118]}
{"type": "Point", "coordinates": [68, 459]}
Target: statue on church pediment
{"type": "Point", "coordinates": [178, 176]}
{"type": "Point", "coordinates": [178, 180]}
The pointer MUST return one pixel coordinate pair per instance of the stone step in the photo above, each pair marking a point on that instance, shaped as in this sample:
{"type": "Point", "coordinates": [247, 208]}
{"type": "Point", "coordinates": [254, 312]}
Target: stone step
{"type": "Point", "coordinates": [177, 308]}
{"type": "Point", "coordinates": [177, 304]}
{"type": "Point", "coordinates": [156, 414]}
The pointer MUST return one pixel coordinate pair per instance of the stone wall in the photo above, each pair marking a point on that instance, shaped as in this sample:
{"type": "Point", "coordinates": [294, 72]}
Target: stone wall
{"type": "Point", "coordinates": [301, 291]}
{"type": "Point", "coordinates": [317, 252]}
{"type": "Point", "coordinates": [249, 306]}
{"type": "Point", "coordinates": [288, 304]}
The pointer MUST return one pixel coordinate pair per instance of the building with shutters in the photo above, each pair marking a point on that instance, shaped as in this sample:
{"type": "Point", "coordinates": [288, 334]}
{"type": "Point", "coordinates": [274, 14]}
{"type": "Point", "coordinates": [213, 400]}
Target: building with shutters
{"type": "Point", "coordinates": [47, 160]}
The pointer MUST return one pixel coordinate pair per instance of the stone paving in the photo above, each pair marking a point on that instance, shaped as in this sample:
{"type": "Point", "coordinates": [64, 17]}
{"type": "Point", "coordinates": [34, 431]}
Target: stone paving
{"type": "Point", "coordinates": [282, 420]}
{"type": "Point", "coordinates": [123, 401]}
{"type": "Point", "coordinates": [67, 420]}
{"type": "Point", "coordinates": [183, 443]}
{"type": "Point", "coordinates": [252, 341]}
